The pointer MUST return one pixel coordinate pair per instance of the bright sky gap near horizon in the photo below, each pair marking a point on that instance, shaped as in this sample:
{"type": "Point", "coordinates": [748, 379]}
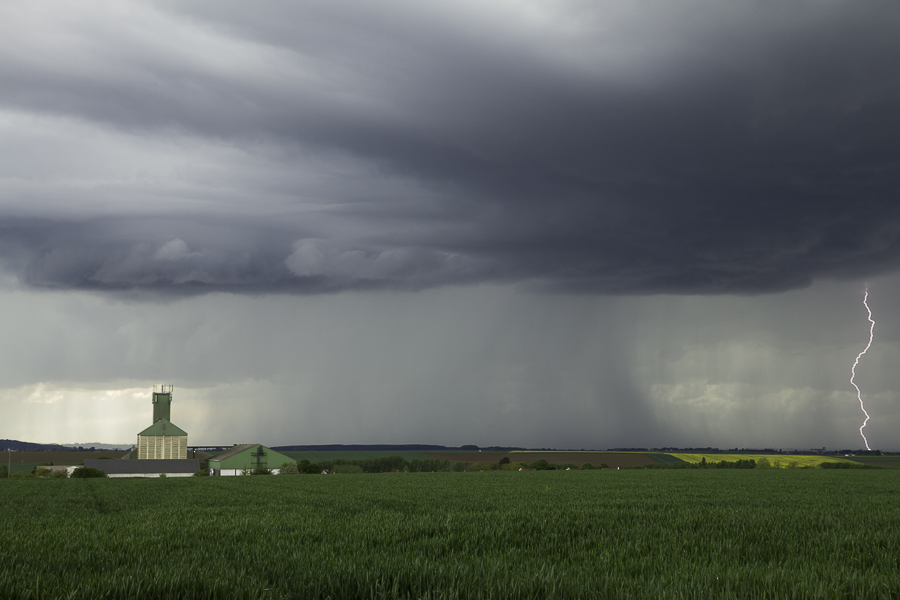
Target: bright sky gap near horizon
{"type": "Point", "coordinates": [547, 224]}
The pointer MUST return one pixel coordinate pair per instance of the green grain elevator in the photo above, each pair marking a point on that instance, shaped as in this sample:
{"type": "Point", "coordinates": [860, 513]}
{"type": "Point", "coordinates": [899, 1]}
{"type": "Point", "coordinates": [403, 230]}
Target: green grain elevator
{"type": "Point", "coordinates": [163, 439]}
{"type": "Point", "coordinates": [162, 403]}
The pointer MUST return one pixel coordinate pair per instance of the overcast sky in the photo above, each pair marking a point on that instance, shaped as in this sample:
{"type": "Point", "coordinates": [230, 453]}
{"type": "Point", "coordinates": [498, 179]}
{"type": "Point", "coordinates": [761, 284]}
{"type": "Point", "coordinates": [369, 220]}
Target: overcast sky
{"type": "Point", "coordinates": [564, 224]}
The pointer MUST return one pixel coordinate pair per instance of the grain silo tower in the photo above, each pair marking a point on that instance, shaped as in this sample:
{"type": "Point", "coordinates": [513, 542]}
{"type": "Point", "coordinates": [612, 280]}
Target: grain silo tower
{"type": "Point", "coordinates": [162, 403]}
{"type": "Point", "coordinates": [163, 439]}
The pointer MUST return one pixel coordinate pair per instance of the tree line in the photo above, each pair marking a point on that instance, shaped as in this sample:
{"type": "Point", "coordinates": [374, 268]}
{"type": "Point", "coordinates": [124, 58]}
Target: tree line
{"type": "Point", "coordinates": [397, 464]}
{"type": "Point", "coordinates": [382, 464]}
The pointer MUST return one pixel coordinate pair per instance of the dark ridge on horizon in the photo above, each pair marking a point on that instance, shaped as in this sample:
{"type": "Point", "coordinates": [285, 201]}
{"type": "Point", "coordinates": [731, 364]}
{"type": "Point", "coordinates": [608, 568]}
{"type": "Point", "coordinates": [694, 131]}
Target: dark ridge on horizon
{"type": "Point", "coordinates": [382, 447]}
{"type": "Point", "coordinates": [17, 446]}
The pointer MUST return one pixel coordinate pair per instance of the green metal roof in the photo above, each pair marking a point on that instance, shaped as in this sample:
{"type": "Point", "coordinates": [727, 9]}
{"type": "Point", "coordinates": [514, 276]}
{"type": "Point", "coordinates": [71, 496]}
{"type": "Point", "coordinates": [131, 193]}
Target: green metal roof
{"type": "Point", "coordinates": [248, 456]}
{"type": "Point", "coordinates": [236, 449]}
{"type": "Point", "coordinates": [163, 427]}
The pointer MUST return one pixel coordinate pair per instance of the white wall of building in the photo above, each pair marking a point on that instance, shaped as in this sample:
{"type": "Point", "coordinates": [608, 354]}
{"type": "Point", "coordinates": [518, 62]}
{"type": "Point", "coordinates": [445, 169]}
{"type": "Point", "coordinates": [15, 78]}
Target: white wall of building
{"type": "Point", "coordinates": [235, 472]}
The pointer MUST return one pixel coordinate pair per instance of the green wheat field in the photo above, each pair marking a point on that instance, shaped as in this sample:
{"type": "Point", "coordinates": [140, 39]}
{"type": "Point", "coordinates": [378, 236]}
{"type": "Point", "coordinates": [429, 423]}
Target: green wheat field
{"type": "Point", "coordinates": [801, 533]}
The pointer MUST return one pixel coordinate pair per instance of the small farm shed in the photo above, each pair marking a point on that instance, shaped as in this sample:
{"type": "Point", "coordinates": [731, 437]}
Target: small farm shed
{"type": "Point", "coordinates": [146, 468]}
{"type": "Point", "coordinates": [162, 440]}
{"type": "Point", "coordinates": [246, 457]}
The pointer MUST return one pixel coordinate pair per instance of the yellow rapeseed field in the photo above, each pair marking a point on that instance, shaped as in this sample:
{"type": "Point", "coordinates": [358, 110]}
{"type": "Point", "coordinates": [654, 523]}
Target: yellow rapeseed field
{"type": "Point", "coordinates": [778, 461]}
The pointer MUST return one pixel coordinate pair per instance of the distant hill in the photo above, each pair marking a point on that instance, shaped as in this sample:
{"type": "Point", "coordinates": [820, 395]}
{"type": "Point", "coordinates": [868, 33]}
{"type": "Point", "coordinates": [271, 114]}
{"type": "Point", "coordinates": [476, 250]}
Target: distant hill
{"type": "Point", "coordinates": [100, 446]}
{"type": "Point", "coordinates": [17, 446]}
{"type": "Point", "coordinates": [360, 447]}
{"type": "Point", "coordinates": [381, 448]}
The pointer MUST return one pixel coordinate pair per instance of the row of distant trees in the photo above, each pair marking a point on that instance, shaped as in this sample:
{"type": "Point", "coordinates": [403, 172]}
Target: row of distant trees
{"type": "Point", "coordinates": [383, 464]}
{"type": "Point", "coordinates": [397, 464]}
{"type": "Point", "coordinates": [506, 464]}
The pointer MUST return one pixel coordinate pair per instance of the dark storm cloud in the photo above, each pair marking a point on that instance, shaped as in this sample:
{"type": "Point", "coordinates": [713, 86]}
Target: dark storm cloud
{"type": "Point", "coordinates": [641, 148]}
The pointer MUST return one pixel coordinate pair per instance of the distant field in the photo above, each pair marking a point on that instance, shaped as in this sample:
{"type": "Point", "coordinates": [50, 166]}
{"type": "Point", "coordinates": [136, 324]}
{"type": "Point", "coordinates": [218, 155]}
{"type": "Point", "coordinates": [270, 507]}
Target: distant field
{"type": "Point", "coordinates": [352, 455]}
{"type": "Point", "coordinates": [57, 458]}
{"type": "Point", "coordinates": [25, 462]}
{"type": "Point", "coordinates": [613, 459]}
{"type": "Point", "coordinates": [22, 467]}
{"type": "Point", "coordinates": [881, 461]}
{"type": "Point", "coordinates": [776, 460]}
{"type": "Point", "coordinates": [665, 534]}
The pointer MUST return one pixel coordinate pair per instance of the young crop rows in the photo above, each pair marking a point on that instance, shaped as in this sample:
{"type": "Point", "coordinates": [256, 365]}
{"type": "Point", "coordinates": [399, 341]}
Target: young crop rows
{"type": "Point", "coordinates": [552, 534]}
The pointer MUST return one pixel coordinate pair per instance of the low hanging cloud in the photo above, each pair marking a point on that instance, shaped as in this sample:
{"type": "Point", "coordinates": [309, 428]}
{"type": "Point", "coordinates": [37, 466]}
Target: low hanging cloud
{"type": "Point", "coordinates": [413, 267]}
{"type": "Point", "coordinates": [597, 147]}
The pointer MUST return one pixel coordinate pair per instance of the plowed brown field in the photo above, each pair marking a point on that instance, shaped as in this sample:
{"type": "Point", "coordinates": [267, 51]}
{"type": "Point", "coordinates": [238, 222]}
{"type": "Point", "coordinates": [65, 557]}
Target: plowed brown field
{"type": "Point", "coordinates": [613, 459]}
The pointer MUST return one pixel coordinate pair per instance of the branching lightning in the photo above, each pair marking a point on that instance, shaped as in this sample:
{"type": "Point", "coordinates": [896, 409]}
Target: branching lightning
{"type": "Point", "coordinates": [856, 362]}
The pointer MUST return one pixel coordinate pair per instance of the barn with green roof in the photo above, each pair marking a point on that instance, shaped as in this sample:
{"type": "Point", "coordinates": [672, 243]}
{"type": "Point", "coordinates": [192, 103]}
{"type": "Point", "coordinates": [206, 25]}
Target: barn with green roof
{"type": "Point", "coordinates": [243, 458]}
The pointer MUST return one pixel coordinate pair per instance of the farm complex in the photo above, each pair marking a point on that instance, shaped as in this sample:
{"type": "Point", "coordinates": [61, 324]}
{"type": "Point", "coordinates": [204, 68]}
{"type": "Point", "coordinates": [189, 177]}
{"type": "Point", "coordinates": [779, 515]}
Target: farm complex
{"type": "Point", "coordinates": [162, 450]}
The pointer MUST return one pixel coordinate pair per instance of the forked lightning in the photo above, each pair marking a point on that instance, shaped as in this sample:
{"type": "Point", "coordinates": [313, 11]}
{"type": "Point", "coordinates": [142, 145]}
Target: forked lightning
{"type": "Point", "coordinates": [856, 362]}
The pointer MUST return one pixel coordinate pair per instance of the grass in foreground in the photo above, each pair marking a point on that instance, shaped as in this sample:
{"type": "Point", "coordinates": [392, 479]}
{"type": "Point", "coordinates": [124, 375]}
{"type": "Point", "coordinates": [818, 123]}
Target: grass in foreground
{"type": "Point", "coordinates": [557, 534]}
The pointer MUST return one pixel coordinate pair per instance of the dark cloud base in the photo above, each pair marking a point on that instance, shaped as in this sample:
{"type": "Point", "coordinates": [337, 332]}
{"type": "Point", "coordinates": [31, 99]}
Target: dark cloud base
{"type": "Point", "coordinates": [748, 151]}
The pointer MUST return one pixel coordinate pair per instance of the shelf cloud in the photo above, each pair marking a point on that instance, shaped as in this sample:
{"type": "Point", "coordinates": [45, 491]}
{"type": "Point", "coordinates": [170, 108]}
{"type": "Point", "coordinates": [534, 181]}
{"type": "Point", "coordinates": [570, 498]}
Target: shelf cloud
{"type": "Point", "coordinates": [594, 147]}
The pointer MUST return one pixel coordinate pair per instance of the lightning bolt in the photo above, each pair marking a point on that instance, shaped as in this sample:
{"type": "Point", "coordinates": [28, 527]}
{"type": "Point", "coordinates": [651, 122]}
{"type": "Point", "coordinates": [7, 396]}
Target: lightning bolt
{"type": "Point", "coordinates": [856, 362]}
